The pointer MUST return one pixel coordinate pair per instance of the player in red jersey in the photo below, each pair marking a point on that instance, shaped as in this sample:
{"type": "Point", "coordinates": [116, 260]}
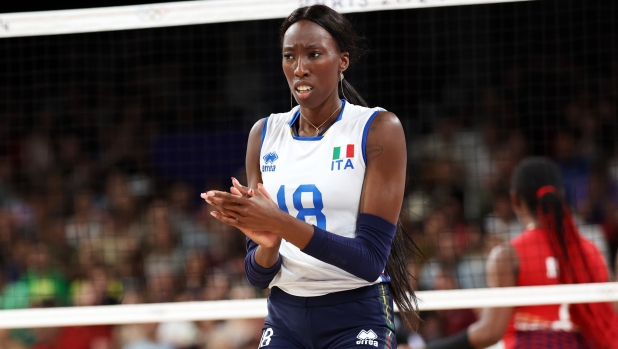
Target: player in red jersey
{"type": "Point", "coordinates": [550, 251]}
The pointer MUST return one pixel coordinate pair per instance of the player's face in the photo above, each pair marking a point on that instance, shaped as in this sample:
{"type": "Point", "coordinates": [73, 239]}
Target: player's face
{"type": "Point", "coordinates": [312, 62]}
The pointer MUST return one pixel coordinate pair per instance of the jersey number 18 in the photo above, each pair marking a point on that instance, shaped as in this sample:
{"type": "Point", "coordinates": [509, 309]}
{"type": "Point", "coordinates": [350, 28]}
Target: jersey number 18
{"type": "Point", "coordinates": [304, 212]}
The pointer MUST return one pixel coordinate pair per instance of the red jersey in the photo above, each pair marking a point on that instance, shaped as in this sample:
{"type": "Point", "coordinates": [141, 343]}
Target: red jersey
{"type": "Point", "coordinates": [545, 326]}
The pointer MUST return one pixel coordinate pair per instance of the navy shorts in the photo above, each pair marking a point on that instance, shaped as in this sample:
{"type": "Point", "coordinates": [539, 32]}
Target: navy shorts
{"type": "Point", "coordinates": [360, 318]}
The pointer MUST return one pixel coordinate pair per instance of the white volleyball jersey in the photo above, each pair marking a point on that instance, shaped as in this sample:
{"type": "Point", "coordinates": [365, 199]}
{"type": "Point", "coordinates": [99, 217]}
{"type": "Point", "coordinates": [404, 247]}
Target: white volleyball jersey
{"type": "Point", "coordinates": [319, 180]}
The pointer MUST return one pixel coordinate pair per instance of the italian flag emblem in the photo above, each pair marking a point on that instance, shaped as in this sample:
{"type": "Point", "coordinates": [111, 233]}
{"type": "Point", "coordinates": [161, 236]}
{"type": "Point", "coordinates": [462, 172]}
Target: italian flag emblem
{"type": "Point", "coordinates": [344, 152]}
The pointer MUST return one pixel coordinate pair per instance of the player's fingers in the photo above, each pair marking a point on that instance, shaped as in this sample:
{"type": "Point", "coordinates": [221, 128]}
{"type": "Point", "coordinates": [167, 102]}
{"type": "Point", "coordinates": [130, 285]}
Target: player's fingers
{"type": "Point", "coordinates": [235, 191]}
{"type": "Point", "coordinates": [223, 214]}
{"type": "Point", "coordinates": [213, 195]}
{"type": "Point", "coordinates": [227, 207]}
{"type": "Point", "coordinates": [219, 203]}
{"type": "Point", "coordinates": [230, 212]}
{"type": "Point", "coordinates": [241, 188]}
{"type": "Point", "coordinates": [224, 218]}
{"type": "Point", "coordinates": [231, 206]}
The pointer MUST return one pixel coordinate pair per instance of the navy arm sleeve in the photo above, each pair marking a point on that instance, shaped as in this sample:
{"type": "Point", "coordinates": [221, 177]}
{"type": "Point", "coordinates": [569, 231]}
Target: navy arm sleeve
{"type": "Point", "coordinates": [258, 276]}
{"type": "Point", "coordinates": [364, 256]}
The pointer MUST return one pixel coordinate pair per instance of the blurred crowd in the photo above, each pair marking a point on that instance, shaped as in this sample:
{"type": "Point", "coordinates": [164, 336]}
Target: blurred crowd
{"type": "Point", "coordinates": [458, 206]}
{"type": "Point", "coordinates": [84, 220]}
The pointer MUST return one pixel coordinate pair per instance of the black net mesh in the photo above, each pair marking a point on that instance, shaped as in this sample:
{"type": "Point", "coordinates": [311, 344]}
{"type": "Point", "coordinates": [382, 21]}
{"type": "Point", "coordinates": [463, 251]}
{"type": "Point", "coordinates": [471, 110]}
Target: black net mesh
{"type": "Point", "coordinates": [107, 139]}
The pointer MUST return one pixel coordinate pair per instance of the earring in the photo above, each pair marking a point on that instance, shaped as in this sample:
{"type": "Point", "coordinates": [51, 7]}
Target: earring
{"type": "Point", "coordinates": [291, 106]}
{"type": "Point", "coordinates": [341, 80]}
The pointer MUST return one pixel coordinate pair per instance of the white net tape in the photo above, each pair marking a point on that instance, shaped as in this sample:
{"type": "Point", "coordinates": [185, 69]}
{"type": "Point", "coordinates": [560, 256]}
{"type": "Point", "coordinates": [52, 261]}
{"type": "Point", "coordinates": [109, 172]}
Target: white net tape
{"type": "Point", "coordinates": [256, 308]}
{"type": "Point", "coordinates": [188, 13]}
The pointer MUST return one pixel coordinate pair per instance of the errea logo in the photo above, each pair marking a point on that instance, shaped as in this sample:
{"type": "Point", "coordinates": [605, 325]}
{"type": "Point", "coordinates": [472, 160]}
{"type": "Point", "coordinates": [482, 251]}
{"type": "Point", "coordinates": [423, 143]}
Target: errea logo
{"type": "Point", "coordinates": [269, 160]}
{"type": "Point", "coordinates": [367, 338]}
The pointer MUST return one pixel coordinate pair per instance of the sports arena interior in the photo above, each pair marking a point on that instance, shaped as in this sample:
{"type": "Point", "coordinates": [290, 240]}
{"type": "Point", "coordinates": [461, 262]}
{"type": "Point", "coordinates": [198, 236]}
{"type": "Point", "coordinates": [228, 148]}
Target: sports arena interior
{"type": "Point", "coordinates": [108, 138]}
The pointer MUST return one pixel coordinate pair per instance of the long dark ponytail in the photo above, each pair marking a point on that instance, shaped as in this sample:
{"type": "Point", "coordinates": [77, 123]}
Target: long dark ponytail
{"type": "Point", "coordinates": [397, 268]}
{"type": "Point", "coordinates": [537, 181]}
{"type": "Point", "coordinates": [348, 41]}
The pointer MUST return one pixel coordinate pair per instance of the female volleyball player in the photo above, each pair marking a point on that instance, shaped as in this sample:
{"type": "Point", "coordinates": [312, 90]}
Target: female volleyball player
{"type": "Point", "coordinates": [335, 170]}
{"type": "Point", "coordinates": [550, 251]}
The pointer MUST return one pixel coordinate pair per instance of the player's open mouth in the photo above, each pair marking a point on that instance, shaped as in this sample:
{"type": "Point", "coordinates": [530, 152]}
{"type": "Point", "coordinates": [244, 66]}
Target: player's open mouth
{"type": "Point", "coordinates": [301, 89]}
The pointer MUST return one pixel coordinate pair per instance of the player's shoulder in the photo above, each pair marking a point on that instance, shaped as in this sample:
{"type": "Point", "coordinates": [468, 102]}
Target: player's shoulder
{"type": "Point", "coordinates": [527, 236]}
{"type": "Point", "coordinates": [359, 110]}
{"type": "Point", "coordinates": [502, 252]}
{"type": "Point", "coordinates": [285, 116]}
{"type": "Point", "coordinates": [278, 119]}
{"type": "Point", "coordinates": [502, 266]}
{"type": "Point", "coordinates": [384, 125]}
{"type": "Point", "coordinates": [373, 114]}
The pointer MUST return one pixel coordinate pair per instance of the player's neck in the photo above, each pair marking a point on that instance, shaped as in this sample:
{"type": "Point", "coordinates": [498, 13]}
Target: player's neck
{"type": "Point", "coordinates": [529, 222]}
{"type": "Point", "coordinates": [525, 216]}
{"type": "Point", "coordinates": [321, 116]}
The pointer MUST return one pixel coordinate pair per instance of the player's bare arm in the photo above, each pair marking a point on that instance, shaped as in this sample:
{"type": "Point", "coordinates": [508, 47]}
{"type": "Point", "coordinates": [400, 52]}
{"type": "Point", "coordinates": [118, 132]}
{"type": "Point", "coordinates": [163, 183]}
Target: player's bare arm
{"type": "Point", "coordinates": [502, 266]}
{"type": "Point", "coordinates": [384, 184]}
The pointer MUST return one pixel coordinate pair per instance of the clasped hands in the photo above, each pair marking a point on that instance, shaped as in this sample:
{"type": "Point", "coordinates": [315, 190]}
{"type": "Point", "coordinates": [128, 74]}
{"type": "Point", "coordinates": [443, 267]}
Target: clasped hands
{"type": "Point", "coordinates": [251, 211]}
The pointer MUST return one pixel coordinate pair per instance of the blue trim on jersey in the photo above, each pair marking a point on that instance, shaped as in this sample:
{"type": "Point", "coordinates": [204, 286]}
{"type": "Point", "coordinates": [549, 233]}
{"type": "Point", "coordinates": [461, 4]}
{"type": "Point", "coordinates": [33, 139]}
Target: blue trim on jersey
{"type": "Point", "coordinates": [299, 138]}
{"type": "Point", "coordinates": [321, 135]}
{"type": "Point", "coordinates": [294, 117]}
{"type": "Point", "coordinates": [264, 132]}
{"type": "Point", "coordinates": [365, 131]}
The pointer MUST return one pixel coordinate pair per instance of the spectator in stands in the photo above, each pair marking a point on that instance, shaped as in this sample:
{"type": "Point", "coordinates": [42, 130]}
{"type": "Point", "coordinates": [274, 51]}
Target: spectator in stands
{"type": "Point", "coordinates": [471, 267]}
{"type": "Point", "coordinates": [191, 234]}
{"type": "Point", "coordinates": [599, 203]}
{"type": "Point", "coordinates": [85, 223]}
{"type": "Point", "coordinates": [179, 335]}
{"type": "Point", "coordinates": [96, 287]}
{"type": "Point", "coordinates": [161, 243]}
{"type": "Point", "coordinates": [53, 235]}
{"type": "Point", "coordinates": [574, 167]}
{"type": "Point", "coordinates": [116, 249]}
{"type": "Point", "coordinates": [42, 278]}
{"type": "Point", "coordinates": [161, 284]}
{"type": "Point", "coordinates": [445, 259]}
{"type": "Point", "coordinates": [120, 202]}
{"type": "Point", "coordinates": [218, 286]}
{"type": "Point", "coordinates": [195, 273]}
{"type": "Point", "coordinates": [502, 223]}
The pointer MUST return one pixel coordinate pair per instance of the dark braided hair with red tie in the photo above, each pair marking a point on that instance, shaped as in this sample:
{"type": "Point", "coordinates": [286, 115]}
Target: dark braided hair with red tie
{"type": "Point", "coordinates": [537, 181]}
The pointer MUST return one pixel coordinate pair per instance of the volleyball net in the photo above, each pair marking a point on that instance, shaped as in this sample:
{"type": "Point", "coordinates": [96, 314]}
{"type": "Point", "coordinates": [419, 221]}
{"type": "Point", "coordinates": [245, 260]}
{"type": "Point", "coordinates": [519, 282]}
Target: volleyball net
{"type": "Point", "coordinates": [114, 120]}
{"type": "Point", "coordinates": [256, 308]}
